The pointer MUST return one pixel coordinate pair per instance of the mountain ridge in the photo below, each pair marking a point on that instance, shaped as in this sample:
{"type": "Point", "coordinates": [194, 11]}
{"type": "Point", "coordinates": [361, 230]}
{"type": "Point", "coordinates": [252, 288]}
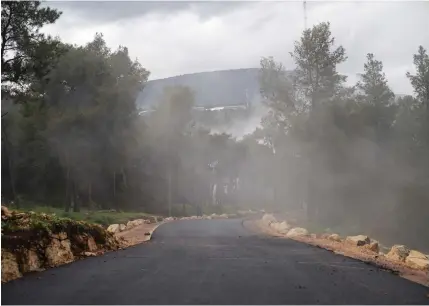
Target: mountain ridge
{"type": "Point", "coordinates": [211, 88]}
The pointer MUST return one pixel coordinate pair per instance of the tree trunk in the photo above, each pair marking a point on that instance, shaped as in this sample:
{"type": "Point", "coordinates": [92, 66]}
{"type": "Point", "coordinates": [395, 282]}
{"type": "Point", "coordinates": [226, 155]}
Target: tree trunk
{"type": "Point", "coordinates": [68, 191]}
{"type": "Point", "coordinates": [10, 166]}
{"type": "Point", "coordinates": [115, 202]}
{"type": "Point", "coordinates": [76, 199]}
{"type": "Point", "coordinates": [169, 191]}
{"type": "Point", "coordinates": [124, 177]}
{"type": "Point", "coordinates": [90, 196]}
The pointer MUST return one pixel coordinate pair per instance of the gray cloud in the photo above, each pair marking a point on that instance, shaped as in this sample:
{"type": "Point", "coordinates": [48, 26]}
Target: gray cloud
{"type": "Point", "coordinates": [111, 11]}
{"type": "Point", "coordinates": [172, 38]}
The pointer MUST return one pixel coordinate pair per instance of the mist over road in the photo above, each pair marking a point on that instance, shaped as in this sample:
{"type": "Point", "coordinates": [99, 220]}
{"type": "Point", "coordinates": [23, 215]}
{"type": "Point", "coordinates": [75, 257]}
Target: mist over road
{"type": "Point", "coordinates": [214, 262]}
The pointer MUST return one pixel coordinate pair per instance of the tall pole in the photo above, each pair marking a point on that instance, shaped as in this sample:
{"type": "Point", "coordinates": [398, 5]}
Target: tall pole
{"type": "Point", "coordinates": [305, 15]}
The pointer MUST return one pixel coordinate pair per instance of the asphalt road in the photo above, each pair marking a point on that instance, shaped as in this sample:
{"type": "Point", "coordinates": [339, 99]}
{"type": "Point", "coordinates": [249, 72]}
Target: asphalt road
{"type": "Point", "coordinates": [214, 262]}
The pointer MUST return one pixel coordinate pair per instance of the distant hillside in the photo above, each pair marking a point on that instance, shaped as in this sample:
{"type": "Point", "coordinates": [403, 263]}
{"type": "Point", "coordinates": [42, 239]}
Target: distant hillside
{"type": "Point", "coordinates": [215, 88]}
{"type": "Point", "coordinates": [227, 87]}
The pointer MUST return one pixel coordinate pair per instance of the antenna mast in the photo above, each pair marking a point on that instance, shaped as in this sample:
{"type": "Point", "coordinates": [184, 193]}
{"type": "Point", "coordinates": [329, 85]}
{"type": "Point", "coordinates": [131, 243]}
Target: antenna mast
{"type": "Point", "coordinates": [305, 15]}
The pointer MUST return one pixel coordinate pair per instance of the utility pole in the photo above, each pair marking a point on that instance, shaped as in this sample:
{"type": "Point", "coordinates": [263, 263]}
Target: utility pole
{"type": "Point", "coordinates": [305, 15]}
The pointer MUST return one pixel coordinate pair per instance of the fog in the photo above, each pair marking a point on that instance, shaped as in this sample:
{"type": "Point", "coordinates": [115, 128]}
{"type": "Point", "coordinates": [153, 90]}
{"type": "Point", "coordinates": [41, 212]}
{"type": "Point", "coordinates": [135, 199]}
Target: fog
{"type": "Point", "coordinates": [296, 136]}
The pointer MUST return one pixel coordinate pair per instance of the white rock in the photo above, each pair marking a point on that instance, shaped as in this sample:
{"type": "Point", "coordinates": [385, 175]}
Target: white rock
{"type": "Point", "coordinates": [398, 252]}
{"type": "Point", "coordinates": [281, 227]}
{"type": "Point", "coordinates": [9, 266]}
{"type": "Point", "coordinates": [134, 223]}
{"type": "Point", "coordinates": [296, 232]}
{"type": "Point", "coordinates": [31, 261]}
{"type": "Point", "coordinates": [358, 240]}
{"type": "Point", "coordinates": [113, 228]}
{"type": "Point", "coordinates": [267, 219]}
{"type": "Point", "coordinates": [374, 246]}
{"type": "Point", "coordinates": [122, 227]}
{"type": "Point", "coordinates": [417, 260]}
{"type": "Point", "coordinates": [58, 252]}
{"type": "Point", "coordinates": [140, 221]}
{"type": "Point", "coordinates": [335, 237]}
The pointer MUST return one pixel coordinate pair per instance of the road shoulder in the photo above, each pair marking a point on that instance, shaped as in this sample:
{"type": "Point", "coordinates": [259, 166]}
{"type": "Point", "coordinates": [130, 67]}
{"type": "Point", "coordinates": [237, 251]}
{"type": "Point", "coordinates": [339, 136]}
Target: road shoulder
{"type": "Point", "coordinates": [417, 276]}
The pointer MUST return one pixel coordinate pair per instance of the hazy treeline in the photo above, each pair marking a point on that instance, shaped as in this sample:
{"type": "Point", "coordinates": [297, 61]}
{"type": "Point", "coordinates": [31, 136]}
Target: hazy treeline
{"type": "Point", "coordinates": [71, 133]}
{"type": "Point", "coordinates": [348, 157]}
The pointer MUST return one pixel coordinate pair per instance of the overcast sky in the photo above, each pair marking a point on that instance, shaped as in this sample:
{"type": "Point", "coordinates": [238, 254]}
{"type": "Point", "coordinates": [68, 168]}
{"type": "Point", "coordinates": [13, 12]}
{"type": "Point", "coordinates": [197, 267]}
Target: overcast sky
{"type": "Point", "coordinates": [172, 38]}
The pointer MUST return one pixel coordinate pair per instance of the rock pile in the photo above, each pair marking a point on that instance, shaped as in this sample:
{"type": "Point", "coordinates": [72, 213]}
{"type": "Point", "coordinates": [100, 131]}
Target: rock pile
{"type": "Point", "coordinates": [203, 217]}
{"type": "Point", "coordinates": [399, 253]}
{"type": "Point", "coordinates": [297, 232]}
{"type": "Point", "coordinates": [33, 242]}
{"type": "Point", "coordinates": [117, 228]}
{"type": "Point", "coordinates": [412, 258]}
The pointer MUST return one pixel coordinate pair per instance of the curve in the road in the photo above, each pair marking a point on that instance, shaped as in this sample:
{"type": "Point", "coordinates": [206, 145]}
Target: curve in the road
{"type": "Point", "coordinates": [214, 262]}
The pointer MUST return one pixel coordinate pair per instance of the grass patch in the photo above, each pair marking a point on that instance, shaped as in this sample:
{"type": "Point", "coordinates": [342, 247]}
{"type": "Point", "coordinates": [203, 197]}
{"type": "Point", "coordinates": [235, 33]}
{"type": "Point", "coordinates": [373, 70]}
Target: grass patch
{"type": "Point", "coordinates": [99, 217]}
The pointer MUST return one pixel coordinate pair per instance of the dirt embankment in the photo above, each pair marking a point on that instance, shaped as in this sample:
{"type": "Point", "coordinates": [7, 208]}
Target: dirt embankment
{"type": "Point", "coordinates": [37, 241]}
{"type": "Point", "coordinates": [409, 264]}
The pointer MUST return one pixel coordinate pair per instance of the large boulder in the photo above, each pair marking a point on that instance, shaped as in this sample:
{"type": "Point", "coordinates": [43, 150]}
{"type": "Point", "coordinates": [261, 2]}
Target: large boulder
{"type": "Point", "coordinates": [122, 227]}
{"type": "Point", "coordinates": [267, 219]}
{"type": "Point", "coordinates": [168, 219]}
{"type": "Point", "coordinates": [83, 242]}
{"type": "Point", "coordinates": [113, 228]}
{"type": "Point", "coordinates": [92, 245]}
{"type": "Point", "coordinates": [31, 261]}
{"type": "Point", "coordinates": [325, 236]}
{"type": "Point", "coordinates": [5, 213]}
{"type": "Point", "coordinates": [398, 252]}
{"type": "Point", "coordinates": [281, 227]}
{"type": "Point", "coordinates": [359, 240]}
{"type": "Point", "coordinates": [297, 232]}
{"type": "Point", "coordinates": [136, 222]}
{"type": "Point", "coordinates": [417, 260]}
{"type": "Point", "coordinates": [334, 237]}
{"type": "Point", "coordinates": [58, 252]}
{"type": "Point", "coordinates": [9, 266]}
{"type": "Point", "coordinates": [374, 246]}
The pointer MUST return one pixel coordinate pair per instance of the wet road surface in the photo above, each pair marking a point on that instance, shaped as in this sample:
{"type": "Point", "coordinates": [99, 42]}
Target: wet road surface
{"type": "Point", "coordinates": [214, 262]}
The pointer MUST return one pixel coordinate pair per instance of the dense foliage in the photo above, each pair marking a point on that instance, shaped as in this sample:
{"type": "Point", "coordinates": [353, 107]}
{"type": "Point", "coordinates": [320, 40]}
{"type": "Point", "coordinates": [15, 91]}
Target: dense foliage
{"type": "Point", "coordinates": [350, 157]}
